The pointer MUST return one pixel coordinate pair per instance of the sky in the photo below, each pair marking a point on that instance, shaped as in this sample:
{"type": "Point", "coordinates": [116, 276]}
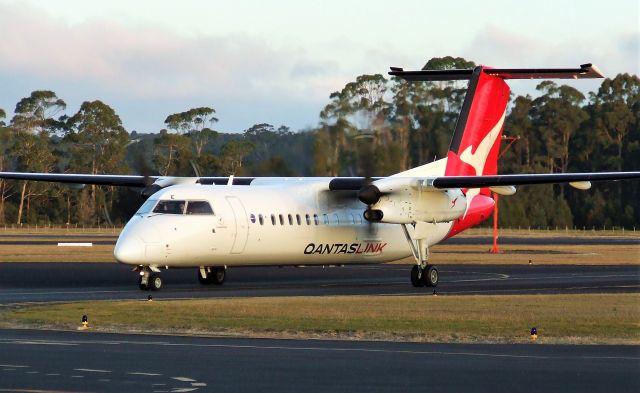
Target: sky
{"type": "Point", "coordinates": [277, 61]}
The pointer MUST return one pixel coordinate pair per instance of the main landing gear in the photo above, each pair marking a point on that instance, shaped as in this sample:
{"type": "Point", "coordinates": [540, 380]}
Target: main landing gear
{"type": "Point", "coordinates": [149, 278]}
{"type": "Point", "coordinates": [212, 275]}
{"type": "Point", "coordinates": [422, 274]}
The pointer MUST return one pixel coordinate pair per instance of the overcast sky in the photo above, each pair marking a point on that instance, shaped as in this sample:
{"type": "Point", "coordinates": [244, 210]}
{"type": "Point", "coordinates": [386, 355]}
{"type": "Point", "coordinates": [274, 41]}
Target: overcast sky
{"type": "Point", "coordinates": [278, 61]}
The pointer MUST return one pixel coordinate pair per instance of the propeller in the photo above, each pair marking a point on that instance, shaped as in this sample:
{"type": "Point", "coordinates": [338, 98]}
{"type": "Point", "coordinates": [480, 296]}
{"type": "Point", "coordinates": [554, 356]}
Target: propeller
{"type": "Point", "coordinates": [368, 193]}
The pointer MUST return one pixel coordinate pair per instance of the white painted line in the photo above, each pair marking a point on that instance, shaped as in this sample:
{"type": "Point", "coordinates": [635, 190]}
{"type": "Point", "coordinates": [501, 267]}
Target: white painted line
{"type": "Point", "coordinates": [146, 374]}
{"type": "Point", "coordinates": [198, 384]}
{"type": "Point", "coordinates": [40, 343]}
{"type": "Point", "coordinates": [8, 369]}
{"type": "Point", "coordinates": [77, 376]}
{"type": "Point", "coordinates": [183, 379]}
{"type": "Point", "coordinates": [75, 244]}
{"type": "Point", "coordinates": [53, 375]}
{"type": "Point", "coordinates": [104, 380]}
{"type": "Point", "coordinates": [179, 390]}
{"type": "Point", "coordinates": [13, 366]}
{"type": "Point", "coordinates": [91, 370]}
{"type": "Point", "coordinates": [31, 372]}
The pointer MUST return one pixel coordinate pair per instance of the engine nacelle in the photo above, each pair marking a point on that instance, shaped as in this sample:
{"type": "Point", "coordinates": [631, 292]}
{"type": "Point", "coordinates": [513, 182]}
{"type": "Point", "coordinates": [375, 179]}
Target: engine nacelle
{"type": "Point", "coordinates": [407, 204]}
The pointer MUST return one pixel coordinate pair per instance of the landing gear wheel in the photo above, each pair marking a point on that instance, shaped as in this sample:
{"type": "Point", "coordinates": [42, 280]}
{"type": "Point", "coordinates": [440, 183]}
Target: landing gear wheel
{"type": "Point", "coordinates": [416, 277]}
{"type": "Point", "coordinates": [218, 275]}
{"type": "Point", "coordinates": [430, 276]}
{"type": "Point", "coordinates": [155, 282]}
{"type": "Point", "coordinates": [143, 284]}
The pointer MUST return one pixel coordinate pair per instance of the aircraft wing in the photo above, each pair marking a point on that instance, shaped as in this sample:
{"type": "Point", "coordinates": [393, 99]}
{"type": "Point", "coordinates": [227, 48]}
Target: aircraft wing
{"type": "Point", "coordinates": [118, 180]}
{"type": "Point", "coordinates": [443, 182]}
{"type": "Point", "coordinates": [523, 179]}
{"type": "Point", "coordinates": [72, 178]}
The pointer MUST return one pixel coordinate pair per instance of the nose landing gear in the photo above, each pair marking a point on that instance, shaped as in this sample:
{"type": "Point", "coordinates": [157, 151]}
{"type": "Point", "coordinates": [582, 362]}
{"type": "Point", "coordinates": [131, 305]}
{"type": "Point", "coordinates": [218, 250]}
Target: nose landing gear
{"type": "Point", "coordinates": [149, 278]}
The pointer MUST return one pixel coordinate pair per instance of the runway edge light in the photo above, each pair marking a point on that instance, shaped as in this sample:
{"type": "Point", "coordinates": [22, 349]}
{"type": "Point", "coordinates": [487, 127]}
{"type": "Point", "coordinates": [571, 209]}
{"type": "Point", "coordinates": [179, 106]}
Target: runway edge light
{"type": "Point", "coordinates": [85, 323]}
{"type": "Point", "coordinates": [534, 334]}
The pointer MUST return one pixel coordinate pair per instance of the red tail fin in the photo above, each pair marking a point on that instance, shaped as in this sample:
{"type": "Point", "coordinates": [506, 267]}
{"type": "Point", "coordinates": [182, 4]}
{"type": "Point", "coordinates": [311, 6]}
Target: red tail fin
{"type": "Point", "coordinates": [475, 145]}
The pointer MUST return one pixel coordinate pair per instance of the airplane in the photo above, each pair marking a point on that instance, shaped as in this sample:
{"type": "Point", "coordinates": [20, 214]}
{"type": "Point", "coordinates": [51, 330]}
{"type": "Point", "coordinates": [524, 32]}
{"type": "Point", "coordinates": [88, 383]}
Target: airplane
{"type": "Point", "coordinates": [211, 223]}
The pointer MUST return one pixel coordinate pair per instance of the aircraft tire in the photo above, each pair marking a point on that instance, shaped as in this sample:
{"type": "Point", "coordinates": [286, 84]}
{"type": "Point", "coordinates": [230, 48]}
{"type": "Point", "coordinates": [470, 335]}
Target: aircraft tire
{"type": "Point", "coordinates": [416, 280]}
{"type": "Point", "coordinates": [218, 275]}
{"type": "Point", "coordinates": [430, 276]}
{"type": "Point", "coordinates": [155, 282]}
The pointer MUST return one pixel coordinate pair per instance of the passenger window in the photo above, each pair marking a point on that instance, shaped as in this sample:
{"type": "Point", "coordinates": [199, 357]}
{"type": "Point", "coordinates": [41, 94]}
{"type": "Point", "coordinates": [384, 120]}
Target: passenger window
{"type": "Point", "coordinates": [290, 219]}
{"type": "Point", "coordinates": [281, 219]}
{"type": "Point", "coordinates": [261, 219]}
{"type": "Point", "coordinates": [298, 220]}
{"type": "Point", "coordinates": [306, 216]}
{"type": "Point", "coordinates": [200, 207]}
{"type": "Point", "coordinates": [170, 207]}
{"type": "Point", "coordinates": [273, 219]}
{"type": "Point", "coordinates": [315, 219]}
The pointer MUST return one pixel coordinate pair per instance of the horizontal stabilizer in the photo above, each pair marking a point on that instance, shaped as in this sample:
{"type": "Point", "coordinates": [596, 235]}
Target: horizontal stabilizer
{"type": "Point", "coordinates": [584, 71]}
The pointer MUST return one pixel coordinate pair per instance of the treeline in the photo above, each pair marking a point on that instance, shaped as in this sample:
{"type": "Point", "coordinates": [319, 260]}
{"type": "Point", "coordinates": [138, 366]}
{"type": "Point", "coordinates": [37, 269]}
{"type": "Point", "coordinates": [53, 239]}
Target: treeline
{"type": "Point", "coordinates": [373, 125]}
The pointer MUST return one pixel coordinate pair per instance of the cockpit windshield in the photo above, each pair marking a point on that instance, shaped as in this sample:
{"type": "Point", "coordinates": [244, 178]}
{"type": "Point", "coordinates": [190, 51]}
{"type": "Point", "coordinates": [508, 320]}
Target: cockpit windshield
{"type": "Point", "coordinates": [170, 207]}
{"type": "Point", "coordinates": [175, 207]}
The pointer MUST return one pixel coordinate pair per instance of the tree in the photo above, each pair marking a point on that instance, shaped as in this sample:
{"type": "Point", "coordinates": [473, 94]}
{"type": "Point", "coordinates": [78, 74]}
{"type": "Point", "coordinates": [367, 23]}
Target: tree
{"type": "Point", "coordinates": [171, 154]}
{"type": "Point", "coordinates": [35, 114]}
{"type": "Point", "coordinates": [233, 154]}
{"type": "Point", "coordinates": [32, 124]}
{"type": "Point", "coordinates": [194, 122]}
{"type": "Point", "coordinates": [98, 143]}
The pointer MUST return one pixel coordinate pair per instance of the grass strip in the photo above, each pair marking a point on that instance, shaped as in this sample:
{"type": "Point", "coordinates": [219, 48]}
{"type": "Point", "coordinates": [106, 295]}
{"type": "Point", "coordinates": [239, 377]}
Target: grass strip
{"type": "Point", "coordinates": [569, 319]}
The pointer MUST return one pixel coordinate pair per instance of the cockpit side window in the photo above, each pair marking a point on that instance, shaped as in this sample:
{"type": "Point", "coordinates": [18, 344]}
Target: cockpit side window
{"type": "Point", "coordinates": [147, 206]}
{"type": "Point", "coordinates": [170, 207]}
{"type": "Point", "coordinates": [199, 207]}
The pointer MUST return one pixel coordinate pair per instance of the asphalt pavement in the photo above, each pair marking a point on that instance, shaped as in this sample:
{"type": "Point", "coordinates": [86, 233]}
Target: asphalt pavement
{"type": "Point", "coordinates": [33, 361]}
{"type": "Point", "coordinates": [47, 282]}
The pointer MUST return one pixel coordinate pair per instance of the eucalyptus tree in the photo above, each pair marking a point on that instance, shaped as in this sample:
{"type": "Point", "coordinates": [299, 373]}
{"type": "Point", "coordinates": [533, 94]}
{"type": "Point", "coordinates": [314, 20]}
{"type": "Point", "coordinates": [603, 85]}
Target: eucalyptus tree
{"type": "Point", "coordinates": [97, 143]}
{"type": "Point", "coordinates": [32, 123]}
{"type": "Point", "coordinates": [195, 123]}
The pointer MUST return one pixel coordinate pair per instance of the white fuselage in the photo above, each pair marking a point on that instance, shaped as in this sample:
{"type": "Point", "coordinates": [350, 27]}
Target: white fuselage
{"type": "Point", "coordinates": [284, 221]}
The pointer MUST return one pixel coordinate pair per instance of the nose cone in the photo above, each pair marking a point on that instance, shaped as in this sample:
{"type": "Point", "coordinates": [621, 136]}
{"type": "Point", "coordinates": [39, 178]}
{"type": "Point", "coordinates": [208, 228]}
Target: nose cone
{"type": "Point", "coordinates": [129, 249]}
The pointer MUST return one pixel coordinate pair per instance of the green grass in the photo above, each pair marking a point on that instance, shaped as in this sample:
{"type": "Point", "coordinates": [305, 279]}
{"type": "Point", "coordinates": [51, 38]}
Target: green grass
{"type": "Point", "coordinates": [590, 318]}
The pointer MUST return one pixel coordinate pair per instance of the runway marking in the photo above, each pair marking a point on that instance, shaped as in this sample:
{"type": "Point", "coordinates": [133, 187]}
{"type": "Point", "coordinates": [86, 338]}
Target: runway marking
{"type": "Point", "coordinates": [183, 379]}
{"type": "Point", "coordinates": [77, 376]}
{"type": "Point", "coordinates": [20, 342]}
{"type": "Point", "coordinates": [145, 374]}
{"type": "Point", "coordinates": [104, 380]}
{"type": "Point", "coordinates": [13, 366]}
{"type": "Point", "coordinates": [32, 372]}
{"type": "Point", "coordinates": [180, 390]}
{"type": "Point", "coordinates": [53, 375]}
{"type": "Point", "coordinates": [201, 384]}
{"type": "Point", "coordinates": [91, 370]}
{"type": "Point", "coordinates": [344, 349]}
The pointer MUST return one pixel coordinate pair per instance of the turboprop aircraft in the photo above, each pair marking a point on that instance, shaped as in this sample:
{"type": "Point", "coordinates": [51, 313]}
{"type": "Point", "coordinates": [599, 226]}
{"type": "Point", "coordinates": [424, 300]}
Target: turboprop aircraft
{"type": "Point", "coordinates": [211, 223]}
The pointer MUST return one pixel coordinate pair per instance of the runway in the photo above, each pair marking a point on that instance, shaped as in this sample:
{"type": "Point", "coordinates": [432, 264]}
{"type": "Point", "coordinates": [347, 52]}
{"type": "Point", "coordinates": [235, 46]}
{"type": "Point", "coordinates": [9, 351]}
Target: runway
{"type": "Point", "coordinates": [96, 362]}
{"type": "Point", "coordinates": [46, 282]}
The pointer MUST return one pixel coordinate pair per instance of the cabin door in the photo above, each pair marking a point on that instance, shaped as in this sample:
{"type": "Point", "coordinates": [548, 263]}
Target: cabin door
{"type": "Point", "coordinates": [241, 225]}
